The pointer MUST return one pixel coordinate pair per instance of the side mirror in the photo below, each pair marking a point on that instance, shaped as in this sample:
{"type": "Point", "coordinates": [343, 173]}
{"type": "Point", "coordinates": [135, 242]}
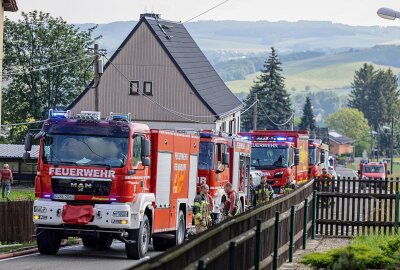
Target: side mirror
{"type": "Point", "coordinates": [225, 159]}
{"type": "Point", "coordinates": [322, 157]}
{"type": "Point", "coordinates": [145, 147]}
{"type": "Point", "coordinates": [296, 157]}
{"type": "Point", "coordinates": [146, 161]}
{"type": "Point", "coordinates": [26, 156]}
{"type": "Point", "coordinates": [28, 142]}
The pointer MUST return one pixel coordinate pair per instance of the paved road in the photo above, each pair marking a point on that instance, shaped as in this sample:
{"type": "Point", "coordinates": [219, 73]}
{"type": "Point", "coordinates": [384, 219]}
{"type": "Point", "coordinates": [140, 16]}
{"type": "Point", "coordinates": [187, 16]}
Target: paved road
{"type": "Point", "coordinates": [74, 258]}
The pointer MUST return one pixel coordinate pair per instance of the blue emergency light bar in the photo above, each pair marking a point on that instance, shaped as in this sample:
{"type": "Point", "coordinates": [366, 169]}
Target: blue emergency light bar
{"type": "Point", "coordinates": [206, 134]}
{"type": "Point", "coordinates": [58, 114]}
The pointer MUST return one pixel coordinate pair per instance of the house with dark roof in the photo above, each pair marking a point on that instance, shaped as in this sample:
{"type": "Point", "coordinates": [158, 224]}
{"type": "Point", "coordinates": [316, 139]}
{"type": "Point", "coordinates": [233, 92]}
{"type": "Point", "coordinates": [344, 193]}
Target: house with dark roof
{"type": "Point", "coordinates": [24, 171]}
{"type": "Point", "coordinates": [339, 144]}
{"type": "Point", "coordinates": [160, 76]}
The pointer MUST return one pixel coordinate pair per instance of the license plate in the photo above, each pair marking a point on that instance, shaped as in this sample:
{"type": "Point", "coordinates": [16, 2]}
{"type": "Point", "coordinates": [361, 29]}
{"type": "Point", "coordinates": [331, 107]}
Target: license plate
{"type": "Point", "coordinates": [67, 197]}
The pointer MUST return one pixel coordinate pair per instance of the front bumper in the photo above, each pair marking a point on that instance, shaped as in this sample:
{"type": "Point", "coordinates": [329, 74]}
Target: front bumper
{"type": "Point", "coordinates": [103, 215]}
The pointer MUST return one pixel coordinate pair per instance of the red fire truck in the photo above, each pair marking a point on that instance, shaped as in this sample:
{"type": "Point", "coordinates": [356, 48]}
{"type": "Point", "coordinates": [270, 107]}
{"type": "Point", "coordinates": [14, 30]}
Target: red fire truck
{"type": "Point", "coordinates": [317, 151]}
{"type": "Point", "coordinates": [112, 179]}
{"type": "Point", "coordinates": [282, 155]}
{"type": "Point", "coordinates": [224, 159]}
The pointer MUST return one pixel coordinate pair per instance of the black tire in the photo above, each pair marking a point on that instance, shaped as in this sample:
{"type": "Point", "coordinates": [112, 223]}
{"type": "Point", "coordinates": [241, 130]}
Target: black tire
{"type": "Point", "coordinates": [141, 237]}
{"type": "Point", "coordinates": [159, 244]}
{"type": "Point", "coordinates": [89, 242]}
{"type": "Point", "coordinates": [48, 241]}
{"type": "Point", "coordinates": [105, 242]}
{"type": "Point", "coordinates": [180, 231]}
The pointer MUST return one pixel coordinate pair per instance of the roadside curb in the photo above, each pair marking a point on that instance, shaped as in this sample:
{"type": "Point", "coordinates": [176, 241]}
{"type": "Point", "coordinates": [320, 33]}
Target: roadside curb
{"type": "Point", "coordinates": [24, 252]}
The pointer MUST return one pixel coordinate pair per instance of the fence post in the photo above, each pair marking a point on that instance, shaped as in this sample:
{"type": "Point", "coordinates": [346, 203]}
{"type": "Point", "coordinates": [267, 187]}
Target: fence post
{"type": "Point", "coordinates": [202, 265]}
{"type": "Point", "coordinates": [292, 232]}
{"type": "Point", "coordinates": [314, 220]}
{"type": "Point", "coordinates": [305, 223]}
{"type": "Point", "coordinates": [276, 242]}
{"type": "Point", "coordinates": [232, 255]}
{"type": "Point", "coordinates": [258, 246]}
{"type": "Point", "coordinates": [396, 213]}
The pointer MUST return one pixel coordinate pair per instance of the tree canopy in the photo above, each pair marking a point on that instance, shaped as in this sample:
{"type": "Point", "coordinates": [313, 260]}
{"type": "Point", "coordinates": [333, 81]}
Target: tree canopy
{"type": "Point", "coordinates": [307, 120]}
{"type": "Point", "coordinates": [274, 101]}
{"type": "Point", "coordinates": [46, 65]}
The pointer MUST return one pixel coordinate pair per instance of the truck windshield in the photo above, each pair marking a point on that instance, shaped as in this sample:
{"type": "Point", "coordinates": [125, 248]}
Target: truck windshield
{"type": "Point", "coordinates": [312, 155]}
{"type": "Point", "coordinates": [85, 150]}
{"type": "Point", "coordinates": [206, 156]}
{"type": "Point", "coordinates": [269, 157]}
{"type": "Point", "coordinates": [374, 169]}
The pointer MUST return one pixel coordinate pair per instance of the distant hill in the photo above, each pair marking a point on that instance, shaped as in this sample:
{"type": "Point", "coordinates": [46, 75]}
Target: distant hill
{"type": "Point", "coordinates": [258, 36]}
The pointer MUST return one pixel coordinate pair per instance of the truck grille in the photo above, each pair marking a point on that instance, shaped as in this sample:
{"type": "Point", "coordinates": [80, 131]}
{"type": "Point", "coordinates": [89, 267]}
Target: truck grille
{"type": "Point", "coordinates": [81, 186]}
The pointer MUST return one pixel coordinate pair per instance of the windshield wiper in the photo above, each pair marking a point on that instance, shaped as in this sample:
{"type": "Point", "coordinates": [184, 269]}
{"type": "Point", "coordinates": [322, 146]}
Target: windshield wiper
{"type": "Point", "coordinates": [57, 163]}
{"type": "Point", "coordinates": [99, 165]}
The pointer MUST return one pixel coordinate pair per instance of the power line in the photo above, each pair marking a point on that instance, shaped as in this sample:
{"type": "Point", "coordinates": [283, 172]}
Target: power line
{"type": "Point", "coordinates": [214, 7]}
{"type": "Point", "coordinates": [276, 124]}
{"type": "Point", "coordinates": [251, 106]}
{"type": "Point", "coordinates": [22, 124]}
{"type": "Point", "coordinates": [44, 68]}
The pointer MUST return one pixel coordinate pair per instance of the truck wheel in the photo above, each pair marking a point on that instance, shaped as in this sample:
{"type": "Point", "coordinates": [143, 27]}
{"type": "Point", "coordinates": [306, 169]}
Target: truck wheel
{"type": "Point", "coordinates": [159, 244]}
{"type": "Point", "coordinates": [48, 241]}
{"type": "Point", "coordinates": [105, 243]}
{"type": "Point", "coordinates": [141, 237]}
{"type": "Point", "coordinates": [180, 231]}
{"type": "Point", "coordinates": [89, 242]}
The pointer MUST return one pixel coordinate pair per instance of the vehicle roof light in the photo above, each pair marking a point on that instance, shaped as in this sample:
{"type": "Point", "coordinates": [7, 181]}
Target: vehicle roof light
{"type": "Point", "coordinates": [59, 114]}
{"type": "Point", "coordinates": [206, 134]}
{"type": "Point", "coordinates": [89, 115]}
{"type": "Point", "coordinates": [119, 117]}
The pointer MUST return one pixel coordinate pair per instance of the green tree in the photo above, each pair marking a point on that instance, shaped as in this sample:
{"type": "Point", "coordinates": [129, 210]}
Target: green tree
{"type": "Point", "coordinates": [375, 93]}
{"type": "Point", "coordinates": [274, 102]}
{"type": "Point", "coordinates": [351, 123]}
{"type": "Point", "coordinates": [45, 65]}
{"type": "Point", "coordinates": [307, 120]}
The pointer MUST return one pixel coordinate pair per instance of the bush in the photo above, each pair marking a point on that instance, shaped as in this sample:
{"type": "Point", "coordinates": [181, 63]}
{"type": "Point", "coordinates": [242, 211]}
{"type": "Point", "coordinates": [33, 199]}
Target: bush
{"type": "Point", "coordinates": [356, 257]}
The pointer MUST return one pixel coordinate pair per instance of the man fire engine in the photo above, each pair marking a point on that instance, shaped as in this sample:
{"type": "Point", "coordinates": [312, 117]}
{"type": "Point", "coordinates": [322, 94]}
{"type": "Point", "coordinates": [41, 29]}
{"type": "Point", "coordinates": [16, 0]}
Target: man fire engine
{"type": "Point", "coordinates": [224, 159]}
{"type": "Point", "coordinates": [281, 155]}
{"type": "Point", "coordinates": [112, 179]}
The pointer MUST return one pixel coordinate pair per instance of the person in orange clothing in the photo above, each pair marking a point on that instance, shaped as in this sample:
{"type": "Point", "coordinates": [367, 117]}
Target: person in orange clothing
{"type": "Point", "coordinates": [6, 181]}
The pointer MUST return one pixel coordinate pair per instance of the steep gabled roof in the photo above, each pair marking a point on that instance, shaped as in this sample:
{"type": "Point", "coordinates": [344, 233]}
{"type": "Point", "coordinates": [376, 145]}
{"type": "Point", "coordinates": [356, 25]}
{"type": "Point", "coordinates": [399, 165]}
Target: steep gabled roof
{"type": "Point", "coordinates": [190, 61]}
{"type": "Point", "coordinates": [10, 5]}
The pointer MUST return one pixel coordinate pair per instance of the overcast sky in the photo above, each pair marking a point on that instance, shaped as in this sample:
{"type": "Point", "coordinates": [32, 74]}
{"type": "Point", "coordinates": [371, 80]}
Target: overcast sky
{"type": "Point", "coordinates": [353, 12]}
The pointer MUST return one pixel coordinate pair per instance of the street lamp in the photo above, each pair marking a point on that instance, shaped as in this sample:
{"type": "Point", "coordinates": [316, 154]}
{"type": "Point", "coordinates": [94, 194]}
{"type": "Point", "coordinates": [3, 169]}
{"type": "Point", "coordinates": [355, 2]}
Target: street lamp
{"type": "Point", "coordinates": [388, 14]}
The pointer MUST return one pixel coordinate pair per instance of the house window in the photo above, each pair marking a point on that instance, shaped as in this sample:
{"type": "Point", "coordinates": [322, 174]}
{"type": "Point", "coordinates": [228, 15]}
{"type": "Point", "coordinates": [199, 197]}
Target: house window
{"type": "Point", "coordinates": [223, 126]}
{"type": "Point", "coordinates": [148, 88]}
{"type": "Point", "coordinates": [134, 88]}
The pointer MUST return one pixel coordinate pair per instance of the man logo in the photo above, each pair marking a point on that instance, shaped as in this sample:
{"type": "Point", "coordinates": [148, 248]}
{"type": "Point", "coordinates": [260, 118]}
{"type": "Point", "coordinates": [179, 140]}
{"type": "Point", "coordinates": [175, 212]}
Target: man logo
{"type": "Point", "coordinates": [81, 186]}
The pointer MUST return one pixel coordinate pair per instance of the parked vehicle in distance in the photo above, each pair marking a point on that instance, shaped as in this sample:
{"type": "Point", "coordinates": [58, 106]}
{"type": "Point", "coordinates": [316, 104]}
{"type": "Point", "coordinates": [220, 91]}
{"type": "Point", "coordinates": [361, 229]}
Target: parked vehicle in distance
{"type": "Point", "coordinates": [372, 171]}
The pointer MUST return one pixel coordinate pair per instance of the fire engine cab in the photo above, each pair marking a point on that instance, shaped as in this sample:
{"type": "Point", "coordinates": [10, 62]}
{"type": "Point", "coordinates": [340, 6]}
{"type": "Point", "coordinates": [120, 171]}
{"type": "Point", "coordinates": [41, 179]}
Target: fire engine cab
{"type": "Point", "coordinates": [112, 179]}
{"type": "Point", "coordinates": [224, 159]}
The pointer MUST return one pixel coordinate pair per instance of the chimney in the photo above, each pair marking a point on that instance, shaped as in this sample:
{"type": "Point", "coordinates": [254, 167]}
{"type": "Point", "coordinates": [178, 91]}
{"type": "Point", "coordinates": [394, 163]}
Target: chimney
{"type": "Point", "coordinates": [151, 15]}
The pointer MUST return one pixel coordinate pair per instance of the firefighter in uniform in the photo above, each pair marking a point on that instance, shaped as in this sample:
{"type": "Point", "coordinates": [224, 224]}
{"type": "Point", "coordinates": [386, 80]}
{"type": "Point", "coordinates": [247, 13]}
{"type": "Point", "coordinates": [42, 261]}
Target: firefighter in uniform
{"type": "Point", "coordinates": [263, 192]}
{"type": "Point", "coordinates": [202, 208]}
{"type": "Point", "coordinates": [325, 180]}
{"type": "Point", "coordinates": [231, 201]}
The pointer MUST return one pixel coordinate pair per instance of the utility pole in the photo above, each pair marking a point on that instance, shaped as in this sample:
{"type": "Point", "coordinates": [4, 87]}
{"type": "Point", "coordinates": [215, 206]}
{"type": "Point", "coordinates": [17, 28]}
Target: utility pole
{"type": "Point", "coordinates": [255, 112]}
{"type": "Point", "coordinates": [391, 146]}
{"type": "Point", "coordinates": [96, 77]}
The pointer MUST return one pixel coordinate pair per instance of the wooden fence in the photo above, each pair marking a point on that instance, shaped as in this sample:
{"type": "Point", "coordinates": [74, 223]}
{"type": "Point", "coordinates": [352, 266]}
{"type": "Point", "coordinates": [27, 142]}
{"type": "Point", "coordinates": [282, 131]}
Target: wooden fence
{"type": "Point", "coordinates": [16, 221]}
{"type": "Point", "coordinates": [347, 207]}
{"type": "Point", "coordinates": [263, 238]}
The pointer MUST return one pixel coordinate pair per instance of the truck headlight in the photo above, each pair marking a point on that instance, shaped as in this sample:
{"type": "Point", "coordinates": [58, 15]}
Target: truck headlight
{"type": "Point", "coordinates": [120, 214]}
{"type": "Point", "coordinates": [39, 209]}
{"type": "Point", "coordinates": [41, 217]}
{"type": "Point", "coordinates": [123, 221]}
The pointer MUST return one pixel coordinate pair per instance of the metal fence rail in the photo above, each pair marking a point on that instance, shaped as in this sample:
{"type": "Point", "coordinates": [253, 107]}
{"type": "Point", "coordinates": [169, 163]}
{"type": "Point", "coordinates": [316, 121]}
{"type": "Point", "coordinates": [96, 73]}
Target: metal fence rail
{"type": "Point", "coordinates": [16, 221]}
{"type": "Point", "coordinates": [347, 207]}
{"type": "Point", "coordinates": [263, 238]}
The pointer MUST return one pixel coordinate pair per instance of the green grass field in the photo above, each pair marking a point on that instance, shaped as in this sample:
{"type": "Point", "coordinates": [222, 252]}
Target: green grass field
{"type": "Point", "coordinates": [18, 194]}
{"type": "Point", "coordinates": [318, 73]}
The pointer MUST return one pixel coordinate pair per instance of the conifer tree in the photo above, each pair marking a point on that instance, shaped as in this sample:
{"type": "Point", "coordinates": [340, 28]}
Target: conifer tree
{"type": "Point", "coordinates": [274, 106]}
{"type": "Point", "coordinates": [307, 120]}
